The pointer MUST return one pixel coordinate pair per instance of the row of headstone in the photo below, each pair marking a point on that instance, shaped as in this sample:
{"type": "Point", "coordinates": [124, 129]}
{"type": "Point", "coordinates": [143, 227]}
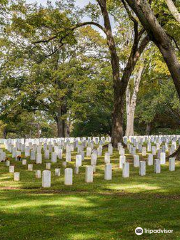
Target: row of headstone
{"type": "Point", "coordinates": [46, 177]}
{"type": "Point", "coordinates": [156, 146]}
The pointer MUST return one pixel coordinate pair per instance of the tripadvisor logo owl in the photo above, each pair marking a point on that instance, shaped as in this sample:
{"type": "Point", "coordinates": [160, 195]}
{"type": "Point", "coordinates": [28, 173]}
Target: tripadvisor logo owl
{"type": "Point", "coordinates": [139, 231]}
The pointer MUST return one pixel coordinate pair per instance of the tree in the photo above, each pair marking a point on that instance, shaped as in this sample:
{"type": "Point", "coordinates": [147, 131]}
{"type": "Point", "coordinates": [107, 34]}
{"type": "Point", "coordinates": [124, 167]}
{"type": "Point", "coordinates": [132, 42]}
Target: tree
{"type": "Point", "coordinates": [54, 73]}
{"type": "Point", "coordinates": [173, 9]}
{"type": "Point", "coordinates": [119, 84]}
{"type": "Point", "coordinates": [31, 62]}
{"type": "Point", "coordinates": [160, 38]}
{"type": "Point", "coordinates": [131, 100]}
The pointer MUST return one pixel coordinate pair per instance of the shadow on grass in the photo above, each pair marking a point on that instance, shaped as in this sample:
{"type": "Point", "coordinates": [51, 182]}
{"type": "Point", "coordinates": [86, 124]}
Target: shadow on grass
{"type": "Point", "coordinates": [100, 210]}
{"type": "Point", "coordinates": [85, 216]}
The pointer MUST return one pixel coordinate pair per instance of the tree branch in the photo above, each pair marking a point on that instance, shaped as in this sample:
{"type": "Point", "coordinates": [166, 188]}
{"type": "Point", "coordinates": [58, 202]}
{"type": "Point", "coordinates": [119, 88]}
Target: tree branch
{"type": "Point", "coordinates": [173, 10]}
{"type": "Point", "coordinates": [70, 30]}
{"type": "Point", "coordinates": [174, 40]}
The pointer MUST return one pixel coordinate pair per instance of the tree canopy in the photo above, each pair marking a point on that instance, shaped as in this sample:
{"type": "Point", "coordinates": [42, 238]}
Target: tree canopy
{"type": "Point", "coordinates": [65, 70]}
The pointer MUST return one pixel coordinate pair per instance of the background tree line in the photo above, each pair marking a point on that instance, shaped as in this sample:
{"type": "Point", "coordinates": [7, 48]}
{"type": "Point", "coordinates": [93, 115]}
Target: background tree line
{"type": "Point", "coordinates": [63, 76]}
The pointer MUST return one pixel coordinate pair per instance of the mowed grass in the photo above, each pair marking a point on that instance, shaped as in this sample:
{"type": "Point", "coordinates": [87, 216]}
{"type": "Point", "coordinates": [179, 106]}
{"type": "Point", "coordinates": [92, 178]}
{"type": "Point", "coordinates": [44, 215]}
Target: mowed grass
{"type": "Point", "coordinates": [99, 210]}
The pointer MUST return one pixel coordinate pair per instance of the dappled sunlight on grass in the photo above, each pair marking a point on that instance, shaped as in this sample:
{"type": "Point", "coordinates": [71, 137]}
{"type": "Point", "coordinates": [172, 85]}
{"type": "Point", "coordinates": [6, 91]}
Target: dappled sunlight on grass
{"type": "Point", "coordinates": [101, 210]}
{"type": "Point", "coordinates": [70, 201]}
{"type": "Point", "coordinates": [136, 188]}
{"type": "Point", "coordinates": [82, 236]}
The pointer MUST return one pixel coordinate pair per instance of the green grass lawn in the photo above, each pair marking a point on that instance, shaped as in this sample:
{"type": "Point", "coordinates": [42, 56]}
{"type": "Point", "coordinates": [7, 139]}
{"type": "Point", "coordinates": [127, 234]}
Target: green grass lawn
{"type": "Point", "coordinates": [99, 210]}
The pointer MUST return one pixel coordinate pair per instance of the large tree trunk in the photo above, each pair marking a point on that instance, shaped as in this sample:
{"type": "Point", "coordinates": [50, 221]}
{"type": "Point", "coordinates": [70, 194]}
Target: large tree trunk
{"type": "Point", "coordinates": [148, 128]}
{"type": "Point", "coordinates": [60, 121]}
{"type": "Point", "coordinates": [129, 114]}
{"type": "Point", "coordinates": [38, 130]}
{"type": "Point", "coordinates": [174, 68]}
{"type": "Point", "coordinates": [130, 110]}
{"type": "Point", "coordinates": [120, 85]}
{"type": "Point", "coordinates": [131, 102]}
{"type": "Point", "coordinates": [117, 124]}
{"type": "Point", "coordinates": [161, 39]}
{"type": "Point", "coordinates": [60, 127]}
{"type": "Point", "coordinates": [4, 133]}
{"type": "Point", "coordinates": [130, 122]}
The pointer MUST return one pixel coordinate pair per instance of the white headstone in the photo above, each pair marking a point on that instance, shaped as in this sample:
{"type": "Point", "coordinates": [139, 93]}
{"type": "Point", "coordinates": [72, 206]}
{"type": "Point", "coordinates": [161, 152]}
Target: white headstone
{"type": "Point", "coordinates": [99, 151]}
{"type": "Point", "coordinates": [39, 149]}
{"type": "Point", "coordinates": [7, 163]}
{"type": "Point", "coordinates": [76, 170]}
{"type": "Point", "coordinates": [17, 176]}
{"type": "Point", "coordinates": [30, 167]}
{"type": "Point", "coordinates": [60, 153]}
{"type": "Point", "coordinates": [94, 168]}
{"type": "Point", "coordinates": [24, 162]}
{"type": "Point", "coordinates": [88, 152]}
{"type": "Point", "coordinates": [163, 158]}
{"type": "Point", "coordinates": [46, 179]}
{"type": "Point", "coordinates": [144, 151]}
{"type": "Point", "coordinates": [48, 166]}
{"type": "Point", "coordinates": [107, 157]}
{"type": "Point", "coordinates": [142, 168]}
{"type": "Point", "coordinates": [68, 156]}
{"type": "Point", "coordinates": [125, 170]}
{"type": "Point", "coordinates": [53, 157]}
{"type": "Point", "coordinates": [11, 169]}
{"type": "Point", "coordinates": [78, 160]}
{"type": "Point", "coordinates": [122, 160]}
{"type": "Point", "coordinates": [150, 159]}
{"type": "Point", "coordinates": [157, 166]}
{"type": "Point", "coordinates": [38, 158]}
{"type": "Point", "coordinates": [122, 151]}
{"type": "Point", "coordinates": [46, 154]}
{"type": "Point", "coordinates": [94, 159]}
{"type": "Point", "coordinates": [110, 149]}
{"type": "Point", "coordinates": [33, 155]}
{"type": "Point", "coordinates": [64, 164]}
{"type": "Point", "coordinates": [68, 178]}
{"type": "Point", "coordinates": [89, 174]}
{"type": "Point", "coordinates": [27, 151]}
{"type": "Point", "coordinates": [136, 160]}
{"type": "Point", "coordinates": [57, 172]}
{"type": "Point", "coordinates": [108, 172]}
{"type": "Point", "coordinates": [38, 174]}
{"type": "Point", "coordinates": [171, 164]}
{"type": "Point", "coordinates": [153, 150]}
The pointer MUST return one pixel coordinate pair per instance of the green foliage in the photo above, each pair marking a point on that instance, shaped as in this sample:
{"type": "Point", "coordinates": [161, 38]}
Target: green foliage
{"type": "Point", "coordinates": [53, 79]}
{"type": "Point", "coordinates": [158, 103]}
{"type": "Point", "coordinates": [49, 69]}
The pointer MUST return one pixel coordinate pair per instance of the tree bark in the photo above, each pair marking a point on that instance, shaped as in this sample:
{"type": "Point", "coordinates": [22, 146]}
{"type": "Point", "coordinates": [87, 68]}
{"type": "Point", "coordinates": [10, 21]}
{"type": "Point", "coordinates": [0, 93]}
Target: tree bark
{"type": "Point", "coordinates": [148, 128]}
{"type": "Point", "coordinates": [4, 133]}
{"type": "Point", "coordinates": [60, 127]}
{"type": "Point", "coordinates": [117, 123]}
{"type": "Point", "coordinates": [130, 122]}
{"type": "Point", "coordinates": [131, 103]}
{"type": "Point", "coordinates": [173, 10]}
{"type": "Point", "coordinates": [61, 122]}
